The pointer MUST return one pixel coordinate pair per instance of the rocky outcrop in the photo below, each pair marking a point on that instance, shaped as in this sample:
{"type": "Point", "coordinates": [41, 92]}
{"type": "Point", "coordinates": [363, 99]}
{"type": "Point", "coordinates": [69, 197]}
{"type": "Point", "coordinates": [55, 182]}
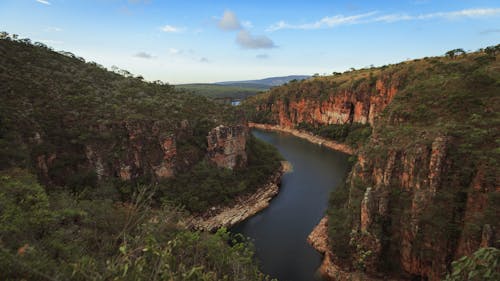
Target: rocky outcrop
{"type": "Point", "coordinates": [242, 207]}
{"type": "Point", "coordinates": [226, 146]}
{"type": "Point", "coordinates": [318, 238]}
{"type": "Point", "coordinates": [134, 150]}
{"type": "Point", "coordinates": [424, 191]}
{"type": "Point", "coordinates": [305, 135]}
{"type": "Point", "coordinates": [359, 105]}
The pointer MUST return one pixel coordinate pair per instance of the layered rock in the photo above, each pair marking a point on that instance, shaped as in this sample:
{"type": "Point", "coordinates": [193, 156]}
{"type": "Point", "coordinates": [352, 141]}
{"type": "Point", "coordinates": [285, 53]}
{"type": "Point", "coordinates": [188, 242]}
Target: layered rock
{"type": "Point", "coordinates": [147, 150]}
{"type": "Point", "coordinates": [424, 191]}
{"type": "Point", "coordinates": [318, 238]}
{"type": "Point", "coordinates": [226, 146]}
{"type": "Point", "coordinates": [340, 107]}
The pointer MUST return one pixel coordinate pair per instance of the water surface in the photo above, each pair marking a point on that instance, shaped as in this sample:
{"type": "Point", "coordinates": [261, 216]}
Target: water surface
{"type": "Point", "coordinates": [280, 231]}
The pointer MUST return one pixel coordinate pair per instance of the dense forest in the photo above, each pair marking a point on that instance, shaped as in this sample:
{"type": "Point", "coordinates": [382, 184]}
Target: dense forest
{"type": "Point", "coordinates": [424, 189]}
{"type": "Point", "coordinates": [99, 168]}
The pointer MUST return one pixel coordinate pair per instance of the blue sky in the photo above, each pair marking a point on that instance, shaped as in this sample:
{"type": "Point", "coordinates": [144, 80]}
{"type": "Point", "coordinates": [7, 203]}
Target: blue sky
{"type": "Point", "coordinates": [209, 41]}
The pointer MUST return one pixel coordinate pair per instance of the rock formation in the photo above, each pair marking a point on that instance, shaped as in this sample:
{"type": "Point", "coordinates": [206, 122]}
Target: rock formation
{"type": "Point", "coordinates": [226, 146]}
{"type": "Point", "coordinates": [424, 191]}
{"type": "Point", "coordinates": [243, 206]}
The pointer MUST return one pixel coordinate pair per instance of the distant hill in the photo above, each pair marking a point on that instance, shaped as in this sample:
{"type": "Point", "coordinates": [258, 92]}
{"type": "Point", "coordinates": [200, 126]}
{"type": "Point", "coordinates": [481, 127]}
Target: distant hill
{"type": "Point", "coordinates": [231, 90]}
{"type": "Point", "coordinates": [269, 82]}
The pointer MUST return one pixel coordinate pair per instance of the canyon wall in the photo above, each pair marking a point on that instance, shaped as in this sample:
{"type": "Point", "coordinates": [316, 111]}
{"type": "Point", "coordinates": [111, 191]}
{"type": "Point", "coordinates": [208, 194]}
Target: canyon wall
{"type": "Point", "coordinates": [135, 150]}
{"type": "Point", "coordinates": [340, 107]}
{"type": "Point", "coordinates": [226, 146]}
{"type": "Point", "coordinates": [424, 190]}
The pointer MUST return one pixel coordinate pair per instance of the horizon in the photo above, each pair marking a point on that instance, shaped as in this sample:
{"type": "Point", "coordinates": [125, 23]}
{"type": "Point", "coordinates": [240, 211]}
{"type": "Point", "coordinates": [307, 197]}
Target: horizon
{"type": "Point", "coordinates": [225, 41]}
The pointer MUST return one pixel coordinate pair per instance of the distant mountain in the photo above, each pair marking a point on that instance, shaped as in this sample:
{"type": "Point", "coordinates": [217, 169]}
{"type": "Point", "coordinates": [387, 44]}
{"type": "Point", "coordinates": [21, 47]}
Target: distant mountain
{"type": "Point", "coordinates": [238, 89]}
{"type": "Point", "coordinates": [229, 91]}
{"type": "Point", "coordinates": [269, 82]}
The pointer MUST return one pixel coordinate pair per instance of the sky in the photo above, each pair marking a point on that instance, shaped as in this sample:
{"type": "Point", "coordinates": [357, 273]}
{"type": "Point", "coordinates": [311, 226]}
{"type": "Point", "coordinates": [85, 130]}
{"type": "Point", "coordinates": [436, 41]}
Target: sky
{"type": "Point", "coordinates": [209, 41]}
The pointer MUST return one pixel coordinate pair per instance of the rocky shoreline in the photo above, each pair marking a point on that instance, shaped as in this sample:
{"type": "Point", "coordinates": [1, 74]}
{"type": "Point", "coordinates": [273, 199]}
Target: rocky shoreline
{"type": "Point", "coordinates": [243, 207]}
{"type": "Point", "coordinates": [318, 238]}
{"type": "Point", "coordinates": [307, 136]}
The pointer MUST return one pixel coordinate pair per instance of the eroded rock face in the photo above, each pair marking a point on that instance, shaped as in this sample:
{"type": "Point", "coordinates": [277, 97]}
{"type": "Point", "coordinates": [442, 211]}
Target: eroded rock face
{"type": "Point", "coordinates": [150, 150]}
{"type": "Point", "coordinates": [145, 150]}
{"type": "Point", "coordinates": [421, 210]}
{"type": "Point", "coordinates": [226, 146]}
{"type": "Point", "coordinates": [318, 238]}
{"type": "Point", "coordinates": [339, 108]}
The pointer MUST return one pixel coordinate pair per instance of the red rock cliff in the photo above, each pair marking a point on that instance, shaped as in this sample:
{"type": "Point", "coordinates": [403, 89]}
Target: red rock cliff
{"type": "Point", "coordinates": [424, 191]}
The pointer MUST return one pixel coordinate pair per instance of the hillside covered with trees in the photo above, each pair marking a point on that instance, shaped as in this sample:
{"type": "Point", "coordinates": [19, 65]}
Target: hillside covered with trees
{"type": "Point", "coordinates": [98, 169]}
{"type": "Point", "coordinates": [424, 189]}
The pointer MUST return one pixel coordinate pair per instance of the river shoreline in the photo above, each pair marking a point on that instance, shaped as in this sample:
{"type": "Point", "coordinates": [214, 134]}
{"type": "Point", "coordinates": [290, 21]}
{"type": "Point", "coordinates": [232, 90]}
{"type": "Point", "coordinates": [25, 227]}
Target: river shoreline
{"type": "Point", "coordinates": [318, 238]}
{"type": "Point", "coordinates": [244, 206]}
{"type": "Point", "coordinates": [307, 136]}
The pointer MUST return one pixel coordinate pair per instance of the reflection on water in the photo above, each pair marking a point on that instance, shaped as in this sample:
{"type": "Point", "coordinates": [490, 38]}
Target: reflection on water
{"type": "Point", "coordinates": [280, 231]}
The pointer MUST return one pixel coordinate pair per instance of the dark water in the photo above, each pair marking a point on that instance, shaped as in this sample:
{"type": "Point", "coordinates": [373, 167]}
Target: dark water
{"type": "Point", "coordinates": [280, 231]}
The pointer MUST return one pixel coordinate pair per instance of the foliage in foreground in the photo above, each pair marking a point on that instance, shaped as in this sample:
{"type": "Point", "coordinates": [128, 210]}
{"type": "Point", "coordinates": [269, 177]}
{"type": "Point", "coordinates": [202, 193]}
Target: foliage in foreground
{"type": "Point", "coordinates": [59, 236]}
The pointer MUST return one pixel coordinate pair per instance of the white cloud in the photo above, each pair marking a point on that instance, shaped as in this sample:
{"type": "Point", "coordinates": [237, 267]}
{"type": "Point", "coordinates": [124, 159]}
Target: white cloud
{"type": "Point", "coordinates": [322, 23]}
{"type": "Point", "coordinates": [143, 55]}
{"type": "Point", "coordinates": [337, 20]}
{"type": "Point", "coordinates": [247, 24]}
{"type": "Point", "coordinates": [490, 31]}
{"type": "Point", "coordinates": [262, 56]}
{"type": "Point", "coordinates": [43, 2]}
{"type": "Point", "coordinates": [393, 18]}
{"type": "Point", "coordinates": [467, 13]}
{"type": "Point", "coordinates": [205, 60]}
{"type": "Point", "coordinates": [174, 51]}
{"type": "Point", "coordinates": [171, 29]}
{"type": "Point", "coordinates": [248, 41]}
{"type": "Point", "coordinates": [49, 41]}
{"type": "Point", "coordinates": [53, 29]}
{"type": "Point", "coordinates": [229, 21]}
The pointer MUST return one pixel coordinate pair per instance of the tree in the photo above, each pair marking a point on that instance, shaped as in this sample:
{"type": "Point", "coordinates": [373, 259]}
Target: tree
{"type": "Point", "coordinates": [482, 265]}
{"type": "Point", "coordinates": [454, 53]}
{"type": "Point", "coordinates": [492, 50]}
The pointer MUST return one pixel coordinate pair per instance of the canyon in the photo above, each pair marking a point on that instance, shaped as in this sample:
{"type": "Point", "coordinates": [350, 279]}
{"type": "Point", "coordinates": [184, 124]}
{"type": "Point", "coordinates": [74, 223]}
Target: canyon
{"type": "Point", "coordinates": [415, 200]}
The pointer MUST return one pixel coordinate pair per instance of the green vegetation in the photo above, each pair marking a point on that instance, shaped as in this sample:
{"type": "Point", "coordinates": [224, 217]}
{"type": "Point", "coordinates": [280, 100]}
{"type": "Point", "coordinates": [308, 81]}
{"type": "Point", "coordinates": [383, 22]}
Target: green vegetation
{"type": "Point", "coordinates": [354, 134]}
{"type": "Point", "coordinates": [61, 220]}
{"type": "Point", "coordinates": [58, 236]}
{"type": "Point", "coordinates": [206, 186]}
{"type": "Point", "coordinates": [483, 265]}
{"type": "Point", "coordinates": [216, 91]}
{"type": "Point", "coordinates": [453, 98]}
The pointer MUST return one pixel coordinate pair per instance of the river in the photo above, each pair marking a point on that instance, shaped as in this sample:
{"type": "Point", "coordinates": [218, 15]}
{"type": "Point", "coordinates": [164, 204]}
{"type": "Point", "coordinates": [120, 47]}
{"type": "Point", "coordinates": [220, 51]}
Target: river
{"type": "Point", "coordinates": [280, 231]}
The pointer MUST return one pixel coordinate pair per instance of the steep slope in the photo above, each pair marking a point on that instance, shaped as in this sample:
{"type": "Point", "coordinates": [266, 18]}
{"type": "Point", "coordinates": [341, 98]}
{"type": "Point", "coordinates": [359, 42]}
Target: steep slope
{"type": "Point", "coordinates": [98, 168]}
{"type": "Point", "coordinates": [424, 190]}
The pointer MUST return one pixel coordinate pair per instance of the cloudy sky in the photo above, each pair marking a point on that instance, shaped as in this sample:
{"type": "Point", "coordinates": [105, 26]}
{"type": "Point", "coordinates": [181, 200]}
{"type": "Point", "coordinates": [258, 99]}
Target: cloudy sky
{"type": "Point", "coordinates": [207, 41]}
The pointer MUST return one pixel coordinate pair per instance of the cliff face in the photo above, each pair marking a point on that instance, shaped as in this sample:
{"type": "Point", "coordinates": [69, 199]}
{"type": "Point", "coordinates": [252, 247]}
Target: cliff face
{"type": "Point", "coordinates": [226, 146]}
{"type": "Point", "coordinates": [424, 191]}
{"type": "Point", "coordinates": [148, 150]}
{"type": "Point", "coordinates": [341, 106]}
